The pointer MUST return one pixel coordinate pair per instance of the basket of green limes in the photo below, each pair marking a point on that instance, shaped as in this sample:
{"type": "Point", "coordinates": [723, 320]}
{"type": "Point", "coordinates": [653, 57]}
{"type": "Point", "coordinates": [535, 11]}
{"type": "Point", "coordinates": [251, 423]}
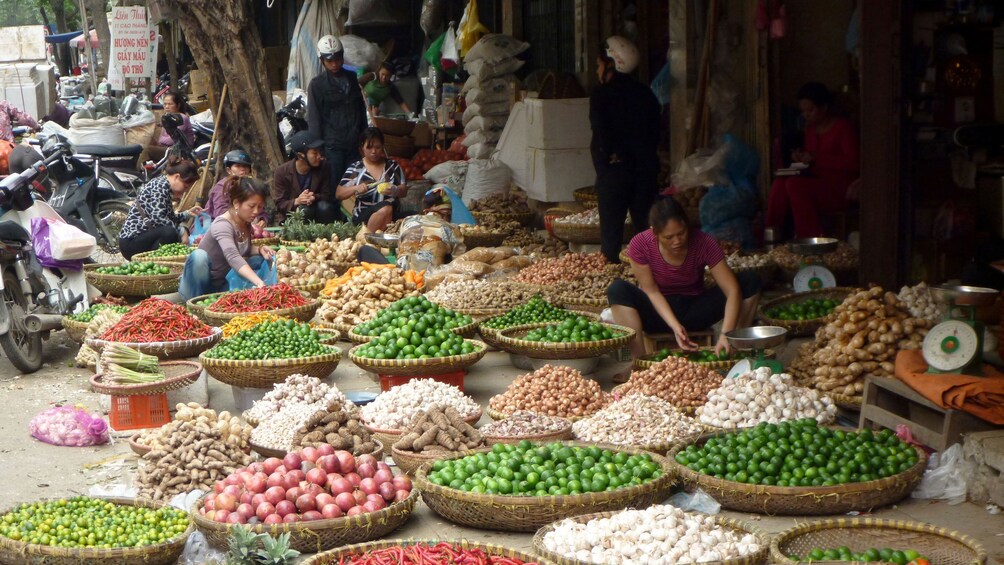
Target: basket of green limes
{"type": "Point", "coordinates": [135, 278]}
{"type": "Point", "coordinates": [170, 253]}
{"type": "Point", "coordinates": [574, 338]}
{"type": "Point", "coordinates": [802, 313]}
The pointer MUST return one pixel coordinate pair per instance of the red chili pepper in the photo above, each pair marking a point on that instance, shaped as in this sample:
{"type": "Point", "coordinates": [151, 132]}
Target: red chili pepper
{"type": "Point", "coordinates": [259, 300]}
{"type": "Point", "coordinates": [440, 554]}
{"type": "Point", "coordinates": [156, 320]}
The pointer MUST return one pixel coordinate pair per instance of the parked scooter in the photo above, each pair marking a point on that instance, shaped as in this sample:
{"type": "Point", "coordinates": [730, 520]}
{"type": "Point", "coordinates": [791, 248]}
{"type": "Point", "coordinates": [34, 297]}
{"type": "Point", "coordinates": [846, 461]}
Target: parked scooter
{"type": "Point", "coordinates": [291, 118]}
{"type": "Point", "coordinates": [34, 298]}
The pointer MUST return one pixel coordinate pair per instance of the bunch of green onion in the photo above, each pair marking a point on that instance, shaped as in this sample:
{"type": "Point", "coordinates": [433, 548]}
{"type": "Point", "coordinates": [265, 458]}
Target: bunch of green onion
{"type": "Point", "coordinates": [125, 365]}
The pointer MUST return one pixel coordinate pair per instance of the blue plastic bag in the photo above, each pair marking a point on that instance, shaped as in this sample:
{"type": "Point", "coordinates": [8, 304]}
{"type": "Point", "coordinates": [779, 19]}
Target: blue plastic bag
{"type": "Point", "coordinates": [201, 225]}
{"type": "Point", "coordinates": [266, 271]}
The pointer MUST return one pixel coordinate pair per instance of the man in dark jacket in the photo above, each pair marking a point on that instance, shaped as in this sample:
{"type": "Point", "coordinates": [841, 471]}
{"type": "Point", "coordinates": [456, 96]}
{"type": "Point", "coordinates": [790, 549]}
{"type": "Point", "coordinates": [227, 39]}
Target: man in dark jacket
{"type": "Point", "coordinates": [305, 182]}
{"type": "Point", "coordinates": [336, 108]}
{"type": "Point", "coordinates": [624, 115]}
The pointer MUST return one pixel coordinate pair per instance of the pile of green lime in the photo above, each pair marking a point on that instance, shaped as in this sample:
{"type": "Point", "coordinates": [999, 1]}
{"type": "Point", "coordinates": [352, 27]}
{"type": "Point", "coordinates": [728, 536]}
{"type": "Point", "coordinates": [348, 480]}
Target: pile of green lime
{"type": "Point", "coordinates": [135, 269]}
{"type": "Point", "coordinates": [873, 555]}
{"type": "Point", "coordinates": [209, 300]}
{"type": "Point", "coordinates": [800, 453]}
{"type": "Point", "coordinates": [415, 339]}
{"type": "Point", "coordinates": [574, 330]}
{"type": "Point", "coordinates": [528, 469]}
{"type": "Point", "coordinates": [87, 315]}
{"type": "Point", "coordinates": [702, 356]}
{"type": "Point", "coordinates": [416, 309]}
{"type": "Point", "coordinates": [171, 250]}
{"type": "Point", "coordinates": [809, 309]}
{"type": "Point", "coordinates": [280, 339]}
{"type": "Point", "coordinates": [536, 311]}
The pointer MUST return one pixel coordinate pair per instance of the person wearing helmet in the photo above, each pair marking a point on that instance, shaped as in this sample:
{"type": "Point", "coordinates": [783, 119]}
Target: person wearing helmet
{"type": "Point", "coordinates": [305, 182]}
{"type": "Point", "coordinates": [624, 115]}
{"type": "Point", "coordinates": [336, 109]}
{"type": "Point", "coordinates": [237, 164]}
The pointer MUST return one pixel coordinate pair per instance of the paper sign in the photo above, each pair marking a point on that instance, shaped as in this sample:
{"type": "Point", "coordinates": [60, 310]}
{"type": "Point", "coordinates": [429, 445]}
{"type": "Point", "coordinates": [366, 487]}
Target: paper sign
{"type": "Point", "coordinates": [131, 54]}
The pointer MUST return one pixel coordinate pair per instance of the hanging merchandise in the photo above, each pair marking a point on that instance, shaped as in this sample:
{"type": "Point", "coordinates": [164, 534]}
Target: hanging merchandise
{"type": "Point", "coordinates": [317, 18]}
{"type": "Point", "coordinates": [449, 59]}
{"type": "Point", "coordinates": [471, 29]}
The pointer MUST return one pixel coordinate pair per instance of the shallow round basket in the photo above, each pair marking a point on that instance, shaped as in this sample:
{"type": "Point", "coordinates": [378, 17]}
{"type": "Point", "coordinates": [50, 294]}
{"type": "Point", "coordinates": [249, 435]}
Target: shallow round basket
{"type": "Point", "coordinates": [166, 259]}
{"type": "Point", "coordinates": [577, 233]}
{"type": "Point", "coordinates": [342, 329]}
{"type": "Point", "coordinates": [336, 556]}
{"type": "Point", "coordinates": [266, 373]}
{"type": "Point", "coordinates": [318, 535]}
{"type": "Point", "coordinates": [302, 313]}
{"type": "Point", "coordinates": [563, 434]}
{"type": "Point", "coordinates": [177, 375]}
{"type": "Point", "coordinates": [767, 274]}
{"type": "Point", "coordinates": [165, 553]}
{"type": "Point", "coordinates": [165, 350]}
{"type": "Point", "coordinates": [329, 337]}
{"type": "Point", "coordinates": [852, 403]}
{"type": "Point", "coordinates": [76, 330]}
{"type": "Point", "coordinates": [265, 241]}
{"type": "Point", "coordinates": [939, 545]}
{"type": "Point", "coordinates": [740, 527]}
{"type": "Point", "coordinates": [524, 218]}
{"type": "Point", "coordinates": [129, 285]}
{"type": "Point", "coordinates": [480, 314]}
{"type": "Point", "coordinates": [509, 340]}
{"type": "Point", "coordinates": [280, 453]}
{"type": "Point", "coordinates": [138, 448]}
{"type": "Point", "coordinates": [618, 392]}
{"type": "Point", "coordinates": [313, 289]}
{"type": "Point", "coordinates": [483, 239]}
{"type": "Point", "coordinates": [586, 196]}
{"type": "Point", "coordinates": [802, 327]}
{"type": "Point", "coordinates": [642, 363]}
{"type": "Point", "coordinates": [466, 330]}
{"type": "Point", "coordinates": [418, 367]}
{"type": "Point", "coordinates": [591, 306]}
{"type": "Point", "coordinates": [198, 310]}
{"type": "Point", "coordinates": [498, 415]}
{"type": "Point", "coordinates": [408, 461]}
{"type": "Point", "coordinates": [290, 243]}
{"type": "Point", "coordinates": [390, 437]}
{"type": "Point", "coordinates": [814, 500]}
{"type": "Point", "coordinates": [527, 513]}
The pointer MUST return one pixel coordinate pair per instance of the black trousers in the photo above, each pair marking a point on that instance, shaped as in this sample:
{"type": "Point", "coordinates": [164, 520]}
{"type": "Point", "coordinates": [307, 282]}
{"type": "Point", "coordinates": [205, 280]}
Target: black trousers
{"type": "Point", "coordinates": [621, 190]}
{"type": "Point", "coordinates": [148, 240]}
{"type": "Point", "coordinates": [323, 212]}
{"type": "Point", "coordinates": [696, 313]}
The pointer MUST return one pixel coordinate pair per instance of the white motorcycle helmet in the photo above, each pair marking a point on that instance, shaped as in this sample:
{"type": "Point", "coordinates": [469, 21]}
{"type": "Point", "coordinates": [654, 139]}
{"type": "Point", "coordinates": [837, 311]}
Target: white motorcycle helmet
{"type": "Point", "coordinates": [329, 47]}
{"type": "Point", "coordinates": [623, 52]}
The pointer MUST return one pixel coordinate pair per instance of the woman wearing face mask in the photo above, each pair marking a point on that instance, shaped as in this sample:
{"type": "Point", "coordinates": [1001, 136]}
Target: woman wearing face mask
{"type": "Point", "coordinates": [228, 245]}
{"type": "Point", "coordinates": [669, 261]}
{"type": "Point", "coordinates": [152, 221]}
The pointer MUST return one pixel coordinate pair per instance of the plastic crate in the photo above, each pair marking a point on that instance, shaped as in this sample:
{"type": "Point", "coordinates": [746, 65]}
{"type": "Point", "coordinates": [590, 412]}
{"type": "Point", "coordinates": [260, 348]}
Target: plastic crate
{"type": "Point", "coordinates": [136, 412]}
{"type": "Point", "coordinates": [456, 379]}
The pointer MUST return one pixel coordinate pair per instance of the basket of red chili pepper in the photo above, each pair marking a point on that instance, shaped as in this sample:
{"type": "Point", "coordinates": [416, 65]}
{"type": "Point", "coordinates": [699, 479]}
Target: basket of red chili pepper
{"type": "Point", "coordinates": [415, 552]}
{"type": "Point", "coordinates": [158, 327]}
{"type": "Point", "coordinates": [281, 300]}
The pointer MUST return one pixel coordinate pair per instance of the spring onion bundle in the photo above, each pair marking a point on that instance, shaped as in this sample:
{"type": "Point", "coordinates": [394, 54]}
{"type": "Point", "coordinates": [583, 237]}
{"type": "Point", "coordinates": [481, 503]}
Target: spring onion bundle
{"type": "Point", "coordinates": [125, 365]}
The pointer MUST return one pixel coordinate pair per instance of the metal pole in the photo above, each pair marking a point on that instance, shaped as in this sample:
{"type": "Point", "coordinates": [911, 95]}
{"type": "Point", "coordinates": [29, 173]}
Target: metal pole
{"type": "Point", "coordinates": [87, 45]}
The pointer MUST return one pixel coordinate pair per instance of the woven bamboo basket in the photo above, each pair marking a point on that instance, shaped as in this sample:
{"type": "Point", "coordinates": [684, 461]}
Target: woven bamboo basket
{"type": "Point", "coordinates": [815, 500]}
{"type": "Point", "coordinates": [318, 535]}
{"type": "Point", "coordinates": [527, 513]}
{"type": "Point", "coordinates": [491, 335]}
{"type": "Point", "coordinates": [302, 313]}
{"type": "Point", "coordinates": [524, 218]}
{"type": "Point", "coordinates": [166, 350]}
{"type": "Point", "coordinates": [165, 260]}
{"type": "Point", "coordinates": [335, 556]}
{"type": "Point", "coordinates": [128, 285]}
{"type": "Point", "coordinates": [483, 239]}
{"type": "Point", "coordinates": [408, 461]}
{"type": "Point", "coordinates": [76, 330]}
{"type": "Point", "coordinates": [499, 415]}
{"type": "Point", "coordinates": [738, 526]}
{"type": "Point", "coordinates": [313, 289]}
{"type": "Point", "coordinates": [768, 273]}
{"type": "Point", "coordinates": [291, 243]}
{"type": "Point", "coordinates": [593, 306]}
{"type": "Point", "coordinates": [802, 327]}
{"type": "Point", "coordinates": [623, 256]}
{"type": "Point", "coordinates": [480, 314]}
{"type": "Point", "coordinates": [280, 453]}
{"type": "Point", "coordinates": [577, 233]}
{"type": "Point", "coordinates": [265, 241]}
{"type": "Point", "coordinates": [390, 437]}
{"type": "Point", "coordinates": [418, 367]}
{"type": "Point", "coordinates": [329, 337]}
{"type": "Point", "coordinates": [852, 403]}
{"type": "Point", "coordinates": [642, 363]}
{"type": "Point", "coordinates": [268, 372]}
{"type": "Point", "coordinates": [167, 553]}
{"type": "Point", "coordinates": [586, 196]}
{"type": "Point", "coordinates": [466, 330]}
{"type": "Point", "coordinates": [342, 329]}
{"type": "Point", "coordinates": [198, 310]}
{"type": "Point", "coordinates": [177, 375]}
{"type": "Point", "coordinates": [939, 545]}
{"type": "Point", "coordinates": [138, 448]}
{"type": "Point", "coordinates": [660, 448]}
{"type": "Point", "coordinates": [845, 276]}
{"type": "Point", "coordinates": [564, 434]}
{"type": "Point", "coordinates": [509, 340]}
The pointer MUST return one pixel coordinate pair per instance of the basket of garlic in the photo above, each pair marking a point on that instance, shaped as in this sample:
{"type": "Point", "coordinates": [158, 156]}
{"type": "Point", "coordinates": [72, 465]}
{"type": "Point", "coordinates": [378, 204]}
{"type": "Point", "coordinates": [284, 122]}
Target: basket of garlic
{"type": "Point", "coordinates": [920, 302]}
{"type": "Point", "coordinates": [582, 227]}
{"type": "Point", "coordinates": [760, 263]}
{"type": "Point", "coordinates": [758, 396]}
{"type": "Point", "coordinates": [645, 422]}
{"type": "Point", "coordinates": [658, 535]}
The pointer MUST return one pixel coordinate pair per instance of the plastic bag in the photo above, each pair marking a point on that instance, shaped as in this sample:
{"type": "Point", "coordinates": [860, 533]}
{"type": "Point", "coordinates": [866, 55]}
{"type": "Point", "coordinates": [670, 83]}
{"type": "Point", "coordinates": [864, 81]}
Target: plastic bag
{"type": "Point", "coordinates": [266, 271]}
{"type": "Point", "coordinates": [945, 478]}
{"type": "Point", "coordinates": [44, 234]}
{"type": "Point", "coordinates": [699, 501]}
{"type": "Point", "coordinates": [426, 241]}
{"type": "Point", "coordinates": [470, 29]}
{"type": "Point", "coordinates": [361, 53]}
{"type": "Point", "coordinates": [485, 70]}
{"type": "Point", "coordinates": [495, 46]}
{"type": "Point", "coordinates": [486, 123]}
{"type": "Point", "coordinates": [480, 151]}
{"type": "Point", "coordinates": [726, 202]}
{"type": "Point", "coordinates": [484, 176]}
{"type": "Point", "coordinates": [702, 168]}
{"type": "Point", "coordinates": [450, 173]}
{"type": "Point", "coordinates": [449, 58]}
{"type": "Point", "coordinates": [70, 426]}
{"type": "Point", "coordinates": [201, 224]}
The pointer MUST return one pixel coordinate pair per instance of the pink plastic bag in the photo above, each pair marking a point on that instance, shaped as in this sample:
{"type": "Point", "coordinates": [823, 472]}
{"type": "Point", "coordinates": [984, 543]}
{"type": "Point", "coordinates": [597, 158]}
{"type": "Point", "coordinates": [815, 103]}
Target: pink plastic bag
{"type": "Point", "coordinates": [69, 426]}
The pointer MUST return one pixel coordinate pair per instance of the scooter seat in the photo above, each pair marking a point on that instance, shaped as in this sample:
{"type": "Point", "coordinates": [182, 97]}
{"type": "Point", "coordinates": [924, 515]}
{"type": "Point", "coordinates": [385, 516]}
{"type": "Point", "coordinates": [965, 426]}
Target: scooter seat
{"type": "Point", "coordinates": [109, 150]}
{"type": "Point", "coordinates": [12, 231]}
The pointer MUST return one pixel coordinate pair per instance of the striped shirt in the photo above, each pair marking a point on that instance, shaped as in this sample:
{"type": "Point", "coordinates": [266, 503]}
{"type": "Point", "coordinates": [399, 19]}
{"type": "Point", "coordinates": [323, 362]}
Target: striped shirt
{"type": "Point", "coordinates": [358, 174]}
{"type": "Point", "coordinates": [685, 280]}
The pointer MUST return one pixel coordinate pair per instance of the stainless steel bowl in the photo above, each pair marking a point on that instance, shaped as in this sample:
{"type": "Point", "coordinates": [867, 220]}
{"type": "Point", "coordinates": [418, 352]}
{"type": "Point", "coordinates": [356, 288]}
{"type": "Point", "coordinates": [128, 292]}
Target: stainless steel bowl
{"type": "Point", "coordinates": [964, 295]}
{"type": "Point", "coordinates": [756, 337]}
{"type": "Point", "coordinates": [389, 240]}
{"type": "Point", "coordinates": [813, 245]}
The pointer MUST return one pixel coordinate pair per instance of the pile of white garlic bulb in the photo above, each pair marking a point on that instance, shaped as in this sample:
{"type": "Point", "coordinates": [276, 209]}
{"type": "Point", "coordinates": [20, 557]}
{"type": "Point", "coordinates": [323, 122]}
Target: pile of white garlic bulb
{"type": "Point", "coordinates": [757, 397]}
{"type": "Point", "coordinates": [658, 535]}
{"type": "Point", "coordinates": [920, 303]}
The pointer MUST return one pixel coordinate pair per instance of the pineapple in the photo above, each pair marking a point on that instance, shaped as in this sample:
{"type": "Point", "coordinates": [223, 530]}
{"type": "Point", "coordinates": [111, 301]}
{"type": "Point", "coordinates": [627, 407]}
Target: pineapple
{"type": "Point", "coordinates": [243, 546]}
{"type": "Point", "coordinates": [276, 551]}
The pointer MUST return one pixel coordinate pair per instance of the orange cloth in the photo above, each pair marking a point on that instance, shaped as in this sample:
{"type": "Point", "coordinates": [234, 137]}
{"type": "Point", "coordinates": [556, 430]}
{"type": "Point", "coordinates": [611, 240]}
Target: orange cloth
{"type": "Point", "coordinates": [982, 397]}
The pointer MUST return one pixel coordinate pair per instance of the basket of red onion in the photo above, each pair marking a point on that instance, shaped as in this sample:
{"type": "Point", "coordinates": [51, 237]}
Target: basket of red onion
{"type": "Point", "coordinates": [322, 497]}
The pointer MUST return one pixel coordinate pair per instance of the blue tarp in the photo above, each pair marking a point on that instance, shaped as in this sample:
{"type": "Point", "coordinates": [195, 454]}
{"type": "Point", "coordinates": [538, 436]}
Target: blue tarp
{"type": "Point", "coordinates": [62, 37]}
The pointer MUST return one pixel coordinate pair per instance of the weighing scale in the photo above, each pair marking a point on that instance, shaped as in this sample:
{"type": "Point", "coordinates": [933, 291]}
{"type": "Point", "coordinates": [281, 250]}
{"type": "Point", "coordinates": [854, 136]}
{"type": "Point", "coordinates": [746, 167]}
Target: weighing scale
{"type": "Point", "coordinates": [955, 345]}
{"type": "Point", "coordinates": [387, 241]}
{"type": "Point", "coordinates": [756, 339]}
{"type": "Point", "coordinates": [813, 275]}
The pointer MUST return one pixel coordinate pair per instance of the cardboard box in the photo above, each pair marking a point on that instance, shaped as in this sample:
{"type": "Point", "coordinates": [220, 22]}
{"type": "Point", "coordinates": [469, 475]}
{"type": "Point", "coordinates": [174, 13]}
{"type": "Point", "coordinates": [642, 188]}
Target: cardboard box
{"type": "Point", "coordinates": [558, 124]}
{"type": "Point", "coordinates": [552, 175]}
{"type": "Point", "coordinates": [423, 135]}
{"type": "Point", "coordinates": [198, 84]}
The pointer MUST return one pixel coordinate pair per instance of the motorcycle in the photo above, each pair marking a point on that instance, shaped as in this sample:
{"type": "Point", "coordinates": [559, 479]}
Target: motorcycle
{"type": "Point", "coordinates": [35, 298]}
{"type": "Point", "coordinates": [291, 118]}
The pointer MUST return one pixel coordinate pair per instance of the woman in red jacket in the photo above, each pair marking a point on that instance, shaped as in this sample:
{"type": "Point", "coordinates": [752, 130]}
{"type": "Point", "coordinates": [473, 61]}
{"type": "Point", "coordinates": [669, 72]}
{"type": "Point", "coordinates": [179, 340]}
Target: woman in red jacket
{"type": "Point", "coordinates": [832, 154]}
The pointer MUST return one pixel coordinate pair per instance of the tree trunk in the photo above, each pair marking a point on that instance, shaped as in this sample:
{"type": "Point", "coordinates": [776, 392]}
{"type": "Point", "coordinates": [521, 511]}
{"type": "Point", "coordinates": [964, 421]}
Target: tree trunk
{"type": "Point", "coordinates": [227, 46]}
{"type": "Point", "coordinates": [62, 50]}
{"type": "Point", "coordinates": [96, 10]}
{"type": "Point", "coordinates": [172, 57]}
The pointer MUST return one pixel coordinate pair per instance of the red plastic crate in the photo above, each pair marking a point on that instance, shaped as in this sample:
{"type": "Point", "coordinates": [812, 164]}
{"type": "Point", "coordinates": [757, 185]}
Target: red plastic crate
{"type": "Point", "coordinates": [456, 379]}
{"type": "Point", "coordinates": [136, 412]}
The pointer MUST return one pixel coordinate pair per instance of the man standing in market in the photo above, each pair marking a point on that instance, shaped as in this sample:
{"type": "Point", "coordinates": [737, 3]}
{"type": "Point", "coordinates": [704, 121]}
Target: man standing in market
{"type": "Point", "coordinates": [336, 108]}
{"type": "Point", "coordinates": [624, 115]}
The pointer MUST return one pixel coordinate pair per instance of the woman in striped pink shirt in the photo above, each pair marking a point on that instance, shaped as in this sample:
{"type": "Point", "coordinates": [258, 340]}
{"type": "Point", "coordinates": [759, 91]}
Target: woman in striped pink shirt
{"type": "Point", "coordinates": [669, 261]}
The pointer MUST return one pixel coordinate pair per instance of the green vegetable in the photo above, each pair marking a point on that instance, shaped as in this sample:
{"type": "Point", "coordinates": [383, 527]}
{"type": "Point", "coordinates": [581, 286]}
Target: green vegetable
{"type": "Point", "coordinates": [575, 330]}
{"type": "Point", "coordinates": [129, 358]}
{"type": "Point", "coordinates": [135, 269]}
{"type": "Point", "coordinates": [809, 309]}
{"type": "Point", "coordinates": [844, 553]}
{"type": "Point", "coordinates": [89, 522]}
{"type": "Point", "coordinates": [281, 339]}
{"type": "Point", "coordinates": [416, 309]}
{"type": "Point", "coordinates": [87, 315]}
{"type": "Point", "coordinates": [800, 453]}
{"type": "Point", "coordinates": [296, 229]}
{"type": "Point", "coordinates": [171, 250]}
{"type": "Point", "coordinates": [702, 356]}
{"type": "Point", "coordinates": [529, 469]}
{"type": "Point", "coordinates": [536, 311]}
{"type": "Point", "coordinates": [415, 339]}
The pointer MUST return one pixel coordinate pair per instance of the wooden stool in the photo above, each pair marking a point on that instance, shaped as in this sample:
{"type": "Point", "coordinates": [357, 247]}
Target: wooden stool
{"type": "Point", "coordinates": [655, 342]}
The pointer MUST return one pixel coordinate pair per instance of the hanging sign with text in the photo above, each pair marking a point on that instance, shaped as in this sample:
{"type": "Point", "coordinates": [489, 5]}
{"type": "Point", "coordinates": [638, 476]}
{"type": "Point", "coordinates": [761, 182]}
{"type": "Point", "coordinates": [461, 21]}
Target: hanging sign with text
{"type": "Point", "coordinates": [131, 54]}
